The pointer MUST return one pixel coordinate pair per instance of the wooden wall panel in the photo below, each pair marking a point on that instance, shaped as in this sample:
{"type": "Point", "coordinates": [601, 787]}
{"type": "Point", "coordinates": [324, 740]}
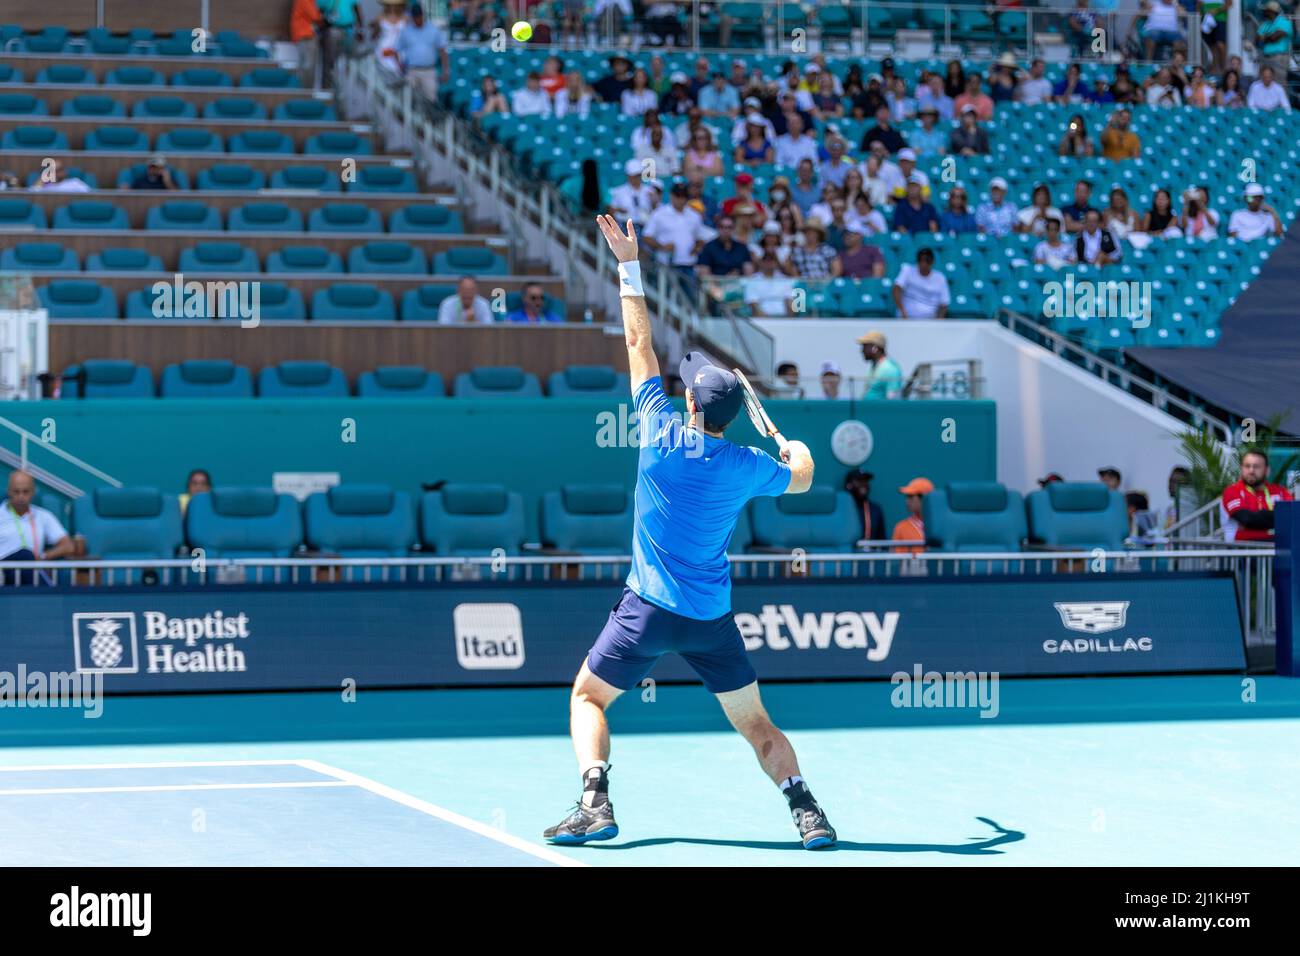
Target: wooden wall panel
{"type": "Point", "coordinates": [76, 15]}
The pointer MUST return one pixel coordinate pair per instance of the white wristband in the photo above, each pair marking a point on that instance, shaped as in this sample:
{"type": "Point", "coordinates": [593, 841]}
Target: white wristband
{"type": "Point", "coordinates": [629, 279]}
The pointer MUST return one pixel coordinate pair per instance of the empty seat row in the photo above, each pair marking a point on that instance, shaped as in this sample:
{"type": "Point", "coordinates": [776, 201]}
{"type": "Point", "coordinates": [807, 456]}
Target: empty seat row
{"type": "Point", "coordinates": [220, 378]}
{"type": "Point", "coordinates": [91, 105]}
{"type": "Point", "coordinates": [190, 215]}
{"type": "Point", "coordinates": [988, 517]}
{"type": "Point", "coordinates": [70, 74]}
{"type": "Point", "coordinates": [123, 138]}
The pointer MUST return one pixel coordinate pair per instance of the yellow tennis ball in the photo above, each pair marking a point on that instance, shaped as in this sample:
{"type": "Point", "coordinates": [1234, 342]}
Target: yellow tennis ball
{"type": "Point", "coordinates": [522, 31]}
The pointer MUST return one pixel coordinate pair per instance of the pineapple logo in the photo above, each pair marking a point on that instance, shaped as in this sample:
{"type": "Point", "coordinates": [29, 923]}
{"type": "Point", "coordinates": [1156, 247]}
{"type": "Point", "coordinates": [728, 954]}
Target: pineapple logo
{"type": "Point", "coordinates": [105, 641]}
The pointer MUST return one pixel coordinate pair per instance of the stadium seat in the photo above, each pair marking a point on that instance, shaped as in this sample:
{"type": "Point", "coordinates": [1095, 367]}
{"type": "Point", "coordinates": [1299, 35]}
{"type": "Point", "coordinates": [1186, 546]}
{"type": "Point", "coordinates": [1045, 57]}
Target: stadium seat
{"type": "Point", "coordinates": [588, 519]}
{"type": "Point", "coordinates": [400, 381]}
{"type": "Point", "coordinates": [134, 76]}
{"type": "Point", "coordinates": [183, 216]}
{"type": "Point", "coordinates": [91, 214]}
{"type": "Point", "coordinates": [278, 301]}
{"type": "Point", "coordinates": [421, 305]}
{"type": "Point", "coordinates": [72, 172]}
{"type": "Point", "coordinates": [91, 105]}
{"type": "Point", "coordinates": [107, 378]}
{"type": "Point", "coordinates": [10, 74]}
{"type": "Point", "coordinates": [426, 218]}
{"type": "Point", "coordinates": [128, 524]}
{"type": "Point", "coordinates": [78, 299]}
{"type": "Point", "coordinates": [21, 214]}
{"type": "Point", "coordinates": [234, 108]}
{"type": "Point", "coordinates": [1077, 516]}
{"type": "Point", "coordinates": [22, 104]}
{"type": "Point", "coordinates": [206, 378]}
{"type": "Point", "coordinates": [463, 520]}
{"type": "Point", "coordinates": [34, 137]}
{"type": "Point", "coordinates": [230, 176]}
{"type": "Point", "coordinates": [383, 179]}
{"type": "Point", "coordinates": [237, 522]}
{"type": "Point", "coordinates": [337, 144]}
{"type": "Point", "coordinates": [128, 175]}
{"type": "Point", "coordinates": [221, 257]}
{"type": "Point", "coordinates": [387, 257]}
{"type": "Point", "coordinates": [201, 76]}
{"type": "Point", "coordinates": [360, 521]}
{"type": "Point", "coordinates": [190, 140]}
{"type": "Point", "coordinates": [344, 218]}
{"type": "Point", "coordinates": [305, 111]}
{"type": "Point", "coordinates": [580, 381]}
{"type": "Point", "coordinates": [469, 260]}
{"type": "Point", "coordinates": [302, 380]}
{"type": "Point", "coordinates": [316, 178]}
{"type": "Point", "coordinates": [823, 520]}
{"type": "Point", "coordinates": [265, 217]}
{"type": "Point", "coordinates": [260, 141]}
{"type": "Point", "coordinates": [164, 107]}
{"type": "Point", "coordinates": [974, 516]}
{"type": "Point", "coordinates": [270, 77]}
{"type": "Point", "coordinates": [65, 74]}
{"type": "Point", "coordinates": [123, 260]}
{"type": "Point", "coordinates": [303, 259]}
{"type": "Point", "coordinates": [39, 257]}
{"type": "Point", "coordinates": [352, 303]}
{"type": "Point", "coordinates": [109, 45]}
{"type": "Point", "coordinates": [497, 381]}
{"type": "Point", "coordinates": [117, 139]}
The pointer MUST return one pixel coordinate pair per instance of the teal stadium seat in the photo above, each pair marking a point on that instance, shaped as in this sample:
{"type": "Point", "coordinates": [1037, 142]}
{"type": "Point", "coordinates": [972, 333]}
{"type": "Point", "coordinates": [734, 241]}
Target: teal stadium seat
{"type": "Point", "coordinates": [315, 178]}
{"type": "Point", "coordinates": [129, 524]}
{"type": "Point", "coordinates": [164, 107]}
{"type": "Point", "coordinates": [107, 378]}
{"type": "Point", "coordinates": [234, 108]}
{"type": "Point", "coordinates": [383, 179]}
{"type": "Point", "coordinates": [270, 78]}
{"type": "Point", "coordinates": [463, 520]}
{"type": "Point", "coordinates": [34, 138]}
{"type": "Point", "coordinates": [302, 380]}
{"type": "Point", "coordinates": [117, 139]}
{"type": "Point", "coordinates": [241, 522]}
{"type": "Point", "coordinates": [17, 214]}
{"type": "Point", "coordinates": [134, 76]}
{"type": "Point", "coordinates": [22, 104]}
{"type": "Point", "coordinates": [822, 520]}
{"type": "Point", "coordinates": [400, 381]}
{"type": "Point", "coordinates": [588, 519]}
{"type": "Point", "coordinates": [583, 381]}
{"type": "Point", "coordinates": [92, 105]}
{"type": "Point", "coordinates": [304, 259]}
{"type": "Point", "coordinates": [1077, 516]}
{"type": "Point", "coordinates": [305, 111]}
{"type": "Point", "coordinates": [360, 521]}
{"type": "Point", "coordinates": [65, 74]}
{"type": "Point", "coordinates": [974, 516]}
{"type": "Point", "coordinates": [232, 176]}
{"type": "Point", "coordinates": [469, 260]}
{"type": "Point", "coordinates": [279, 302]}
{"type": "Point", "coordinates": [188, 140]}
{"type": "Point", "coordinates": [260, 141]}
{"type": "Point", "coordinates": [426, 218]}
{"type": "Point", "coordinates": [123, 260]}
{"type": "Point", "coordinates": [201, 76]}
{"type": "Point", "coordinates": [77, 299]}
{"type": "Point", "coordinates": [344, 218]}
{"type": "Point", "coordinates": [387, 257]}
{"type": "Point", "coordinates": [265, 217]}
{"type": "Point", "coordinates": [337, 144]}
{"type": "Point", "coordinates": [183, 216]}
{"type": "Point", "coordinates": [421, 305]}
{"type": "Point", "coordinates": [39, 257]}
{"type": "Point", "coordinates": [353, 303]}
{"type": "Point", "coordinates": [497, 381]}
{"type": "Point", "coordinates": [219, 257]}
{"type": "Point", "coordinates": [206, 378]}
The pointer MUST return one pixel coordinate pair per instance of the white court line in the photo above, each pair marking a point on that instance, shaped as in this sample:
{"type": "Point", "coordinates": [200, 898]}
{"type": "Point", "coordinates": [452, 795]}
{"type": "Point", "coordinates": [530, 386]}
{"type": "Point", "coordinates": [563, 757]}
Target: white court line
{"type": "Point", "coordinates": [151, 766]}
{"type": "Point", "coordinates": [448, 816]}
{"type": "Point", "coordinates": [158, 788]}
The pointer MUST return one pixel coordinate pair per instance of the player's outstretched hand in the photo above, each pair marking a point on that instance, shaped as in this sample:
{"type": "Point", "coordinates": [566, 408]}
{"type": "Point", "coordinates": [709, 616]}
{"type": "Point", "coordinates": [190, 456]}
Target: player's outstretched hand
{"type": "Point", "coordinates": [623, 246]}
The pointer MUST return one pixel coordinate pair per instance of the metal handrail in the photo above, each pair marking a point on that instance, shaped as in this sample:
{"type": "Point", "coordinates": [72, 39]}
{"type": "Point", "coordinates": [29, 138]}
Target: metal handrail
{"type": "Point", "coordinates": [26, 437]}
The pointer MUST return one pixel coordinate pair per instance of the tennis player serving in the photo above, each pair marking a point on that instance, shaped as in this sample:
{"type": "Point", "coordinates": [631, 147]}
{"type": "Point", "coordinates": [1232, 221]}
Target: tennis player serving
{"type": "Point", "coordinates": [691, 486]}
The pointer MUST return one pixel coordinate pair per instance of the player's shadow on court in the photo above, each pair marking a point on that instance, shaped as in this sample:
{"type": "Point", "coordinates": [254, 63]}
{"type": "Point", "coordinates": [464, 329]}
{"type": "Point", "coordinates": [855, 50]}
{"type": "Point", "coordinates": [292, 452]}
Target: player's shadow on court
{"type": "Point", "coordinates": [987, 846]}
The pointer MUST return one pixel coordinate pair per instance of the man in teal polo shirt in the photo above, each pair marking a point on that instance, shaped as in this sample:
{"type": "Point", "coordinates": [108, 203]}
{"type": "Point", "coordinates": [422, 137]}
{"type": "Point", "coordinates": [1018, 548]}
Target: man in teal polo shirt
{"type": "Point", "coordinates": [1274, 38]}
{"type": "Point", "coordinates": [344, 22]}
{"type": "Point", "coordinates": [886, 380]}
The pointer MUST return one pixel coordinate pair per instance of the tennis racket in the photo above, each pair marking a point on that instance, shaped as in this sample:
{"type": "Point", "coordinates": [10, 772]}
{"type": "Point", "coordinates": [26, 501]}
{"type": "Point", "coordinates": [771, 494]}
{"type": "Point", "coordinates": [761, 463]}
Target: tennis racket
{"type": "Point", "coordinates": [762, 421]}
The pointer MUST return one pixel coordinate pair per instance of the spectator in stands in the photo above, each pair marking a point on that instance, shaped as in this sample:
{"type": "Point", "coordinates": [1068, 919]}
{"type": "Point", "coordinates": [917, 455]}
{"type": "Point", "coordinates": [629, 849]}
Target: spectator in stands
{"type": "Point", "coordinates": [858, 259]}
{"type": "Point", "coordinates": [675, 231]}
{"type": "Point", "coordinates": [1033, 218]}
{"type": "Point", "coordinates": [1200, 92]}
{"type": "Point", "coordinates": [873, 180]}
{"type": "Point", "coordinates": [1118, 216]}
{"type": "Point", "coordinates": [1076, 142]}
{"type": "Point", "coordinates": [660, 81]}
{"type": "Point", "coordinates": [1142, 524]}
{"type": "Point", "coordinates": [723, 256]}
{"type": "Point", "coordinates": [634, 199]}
{"type": "Point", "coordinates": [1160, 220]}
{"type": "Point", "coordinates": [198, 482]}
{"type": "Point", "coordinates": [795, 144]}
{"type": "Point", "coordinates": [54, 178]}
{"type": "Point", "coordinates": [488, 99]}
{"type": "Point", "coordinates": [466, 305]}
{"type": "Point", "coordinates": [830, 378]}
{"type": "Point", "coordinates": [718, 98]}
{"type": "Point", "coordinates": [826, 103]}
{"type": "Point", "coordinates": [976, 97]}
{"type": "Point", "coordinates": [1229, 91]}
{"type": "Point", "coordinates": [907, 171]}
{"type": "Point", "coordinates": [574, 98]}
{"type": "Point", "coordinates": [1246, 507]}
{"type": "Point", "coordinates": [768, 292]}
{"type": "Point", "coordinates": [744, 183]}
{"type": "Point", "coordinates": [755, 149]}
{"type": "Point", "coordinates": [858, 484]}
{"type": "Point", "coordinates": [914, 214]}
{"type": "Point", "coordinates": [701, 154]}
{"type": "Point", "coordinates": [921, 292]}
{"type": "Point", "coordinates": [970, 138]}
{"type": "Point", "coordinates": [1123, 89]}
{"type": "Point", "coordinates": [1274, 37]}
{"type": "Point", "coordinates": [902, 105]}
{"type": "Point", "coordinates": [1118, 141]}
{"type": "Point", "coordinates": [699, 199]}
{"type": "Point", "coordinates": [1101, 91]}
{"type": "Point", "coordinates": [1257, 220]}
{"type": "Point", "coordinates": [677, 101]}
{"type": "Point", "coordinates": [770, 239]}
{"type": "Point", "coordinates": [638, 98]}
{"type": "Point", "coordinates": [805, 190]}
{"type": "Point", "coordinates": [885, 380]}
{"type": "Point", "coordinates": [611, 86]}
{"type": "Point", "coordinates": [305, 23]}
{"type": "Point", "coordinates": [29, 532]}
{"type": "Point", "coordinates": [343, 27]}
{"type": "Point", "coordinates": [929, 140]}
{"type": "Point", "coordinates": [9, 180]}
{"type": "Point", "coordinates": [572, 21]}
{"type": "Point", "coordinates": [1079, 26]}
{"type": "Point", "coordinates": [662, 24]}
{"type": "Point", "coordinates": [532, 307]}
{"type": "Point", "coordinates": [1162, 26]}
{"type": "Point", "coordinates": [865, 217]}
{"type": "Point", "coordinates": [1110, 477]}
{"type": "Point", "coordinates": [815, 257]}
{"type": "Point", "coordinates": [661, 152]}
{"type": "Point", "coordinates": [1002, 79]}
{"type": "Point", "coordinates": [837, 166]}
{"type": "Point", "coordinates": [790, 222]}
{"type": "Point", "coordinates": [1266, 94]}
{"type": "Point", "coordinates": [1198, 220]}
{"type": "Point", "coordinates": [1034, 87]}
{"type": "Point", "coordinates": [912, 528]}
{"type": "Point", "coordinates": [883, 132]}
{"type": "Point", "coordinates": [1214, 29]}
{"type": "Point", "coordinates": [957, 217]}
{"type": "Point", "coordinates": [1075, 212]}
{"type": "Point", "coordinates": [787, 374]}
{"type": "Point", "coordinates": [995, 216]}
{"type": "Point", "coordinates": [422, 51]}
{"type": "Point", "coordinates": [954, 81]}
{"type": "Point", "coordinates": [1161, 91]}
{"type": "Point", "coordinates": [1095, 244]}
{"type": "Point", "coordinates": [386, 30]}
{"type": "Point", "coordinates": [1050, 479]}
{"type": "Point", "coordinates": [1053, 250]}
{"type": "Point", "coordinates": [852, 186]}
{"type": "Point", "coordinates": [1072, 89]}
{"type": "Point", "coordinates": [750, 105]}
{"type": "Point", "coordinates": [1178, 477]}
{"type": "Point", "coordinates": [156, 175]}
{"type": "Point", "coordinates": [867, 101]}
{"type": "Point", "coordinates": [931, 93]}
{"type": "Point", "coordinates": [531, 99]}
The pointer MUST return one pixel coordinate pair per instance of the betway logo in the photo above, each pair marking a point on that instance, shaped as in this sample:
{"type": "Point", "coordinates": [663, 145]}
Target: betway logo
{"type": "Point", "coordinates": [780, 627]}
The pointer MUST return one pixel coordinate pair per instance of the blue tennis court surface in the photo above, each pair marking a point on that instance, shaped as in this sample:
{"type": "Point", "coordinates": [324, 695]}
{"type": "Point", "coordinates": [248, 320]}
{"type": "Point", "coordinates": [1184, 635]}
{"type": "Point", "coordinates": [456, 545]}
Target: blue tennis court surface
{"type": "Point", "coordinates": [1072, 771]}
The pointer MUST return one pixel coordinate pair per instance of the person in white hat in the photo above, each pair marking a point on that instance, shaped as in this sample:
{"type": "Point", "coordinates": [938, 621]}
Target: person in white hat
{"type": "Point", "coordinates": [1257, 220]}
{"type": "Point", "coordinates": [830, 380]}
{"type": "Point", "coordinates": [634, 199]}
{"type": "Point", "coordinates": [907, 167]}
{"type": "Point", "coordinates": [995, 216]}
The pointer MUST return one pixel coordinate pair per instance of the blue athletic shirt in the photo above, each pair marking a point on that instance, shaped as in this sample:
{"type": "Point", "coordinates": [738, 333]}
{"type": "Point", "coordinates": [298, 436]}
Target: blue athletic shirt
{"type": "Point", "coordinates": [690, 489]}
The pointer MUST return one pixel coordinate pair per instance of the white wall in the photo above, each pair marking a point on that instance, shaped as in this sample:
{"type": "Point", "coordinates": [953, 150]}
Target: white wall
{"type": "Point", "coordinates": [1051, 416]}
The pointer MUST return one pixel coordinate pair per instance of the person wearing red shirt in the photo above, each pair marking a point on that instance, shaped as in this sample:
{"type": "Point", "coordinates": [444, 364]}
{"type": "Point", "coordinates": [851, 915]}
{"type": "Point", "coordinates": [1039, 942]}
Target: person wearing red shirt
{"type": "Point", "coordinates": [1246, 509]}
{"type": "Point", "coordinates": [745, 194]}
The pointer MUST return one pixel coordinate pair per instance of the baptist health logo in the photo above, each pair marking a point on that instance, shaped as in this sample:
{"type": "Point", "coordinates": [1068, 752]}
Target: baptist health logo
{"type": "Point", "coordinates": [1094, 617]}
{"type": "Point", "coordinates": [489, 636]}
{"type": "Point", "coordinates": [107, 642]}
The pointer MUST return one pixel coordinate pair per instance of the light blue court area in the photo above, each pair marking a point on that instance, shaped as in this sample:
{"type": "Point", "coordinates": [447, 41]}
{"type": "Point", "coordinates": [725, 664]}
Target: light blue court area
{"type": "Point", "coordinates": [1129, 771]}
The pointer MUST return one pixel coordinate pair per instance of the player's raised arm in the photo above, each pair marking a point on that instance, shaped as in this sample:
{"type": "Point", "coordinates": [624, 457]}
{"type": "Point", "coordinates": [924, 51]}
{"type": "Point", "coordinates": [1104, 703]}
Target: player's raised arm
{"type": "Point", "coordinates": [641, 360]}
{"type": "Point", "coordinates": [799, 458]}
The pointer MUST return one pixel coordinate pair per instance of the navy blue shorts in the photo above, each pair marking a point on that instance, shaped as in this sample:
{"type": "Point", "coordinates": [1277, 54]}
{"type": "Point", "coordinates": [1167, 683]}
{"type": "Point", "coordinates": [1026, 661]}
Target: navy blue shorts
{"type": "Point", "coordinates": [638, 633]}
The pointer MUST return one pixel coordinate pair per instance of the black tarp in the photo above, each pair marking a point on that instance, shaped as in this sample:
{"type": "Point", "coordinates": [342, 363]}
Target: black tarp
{"type": "Point", "coordinates": [1254, 370]}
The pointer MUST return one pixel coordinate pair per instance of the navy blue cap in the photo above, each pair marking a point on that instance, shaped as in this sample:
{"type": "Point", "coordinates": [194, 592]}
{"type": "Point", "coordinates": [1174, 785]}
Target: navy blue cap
{"type": "Point", "coordinates": [717, 392]}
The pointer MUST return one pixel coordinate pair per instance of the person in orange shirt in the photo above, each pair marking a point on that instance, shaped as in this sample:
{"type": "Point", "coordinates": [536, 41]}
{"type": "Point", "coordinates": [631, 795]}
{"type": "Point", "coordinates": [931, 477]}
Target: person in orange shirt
{"type": "Point", "coordinates": [304, 20]}
{"type": "Point", "coordinates": [912, 528]}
